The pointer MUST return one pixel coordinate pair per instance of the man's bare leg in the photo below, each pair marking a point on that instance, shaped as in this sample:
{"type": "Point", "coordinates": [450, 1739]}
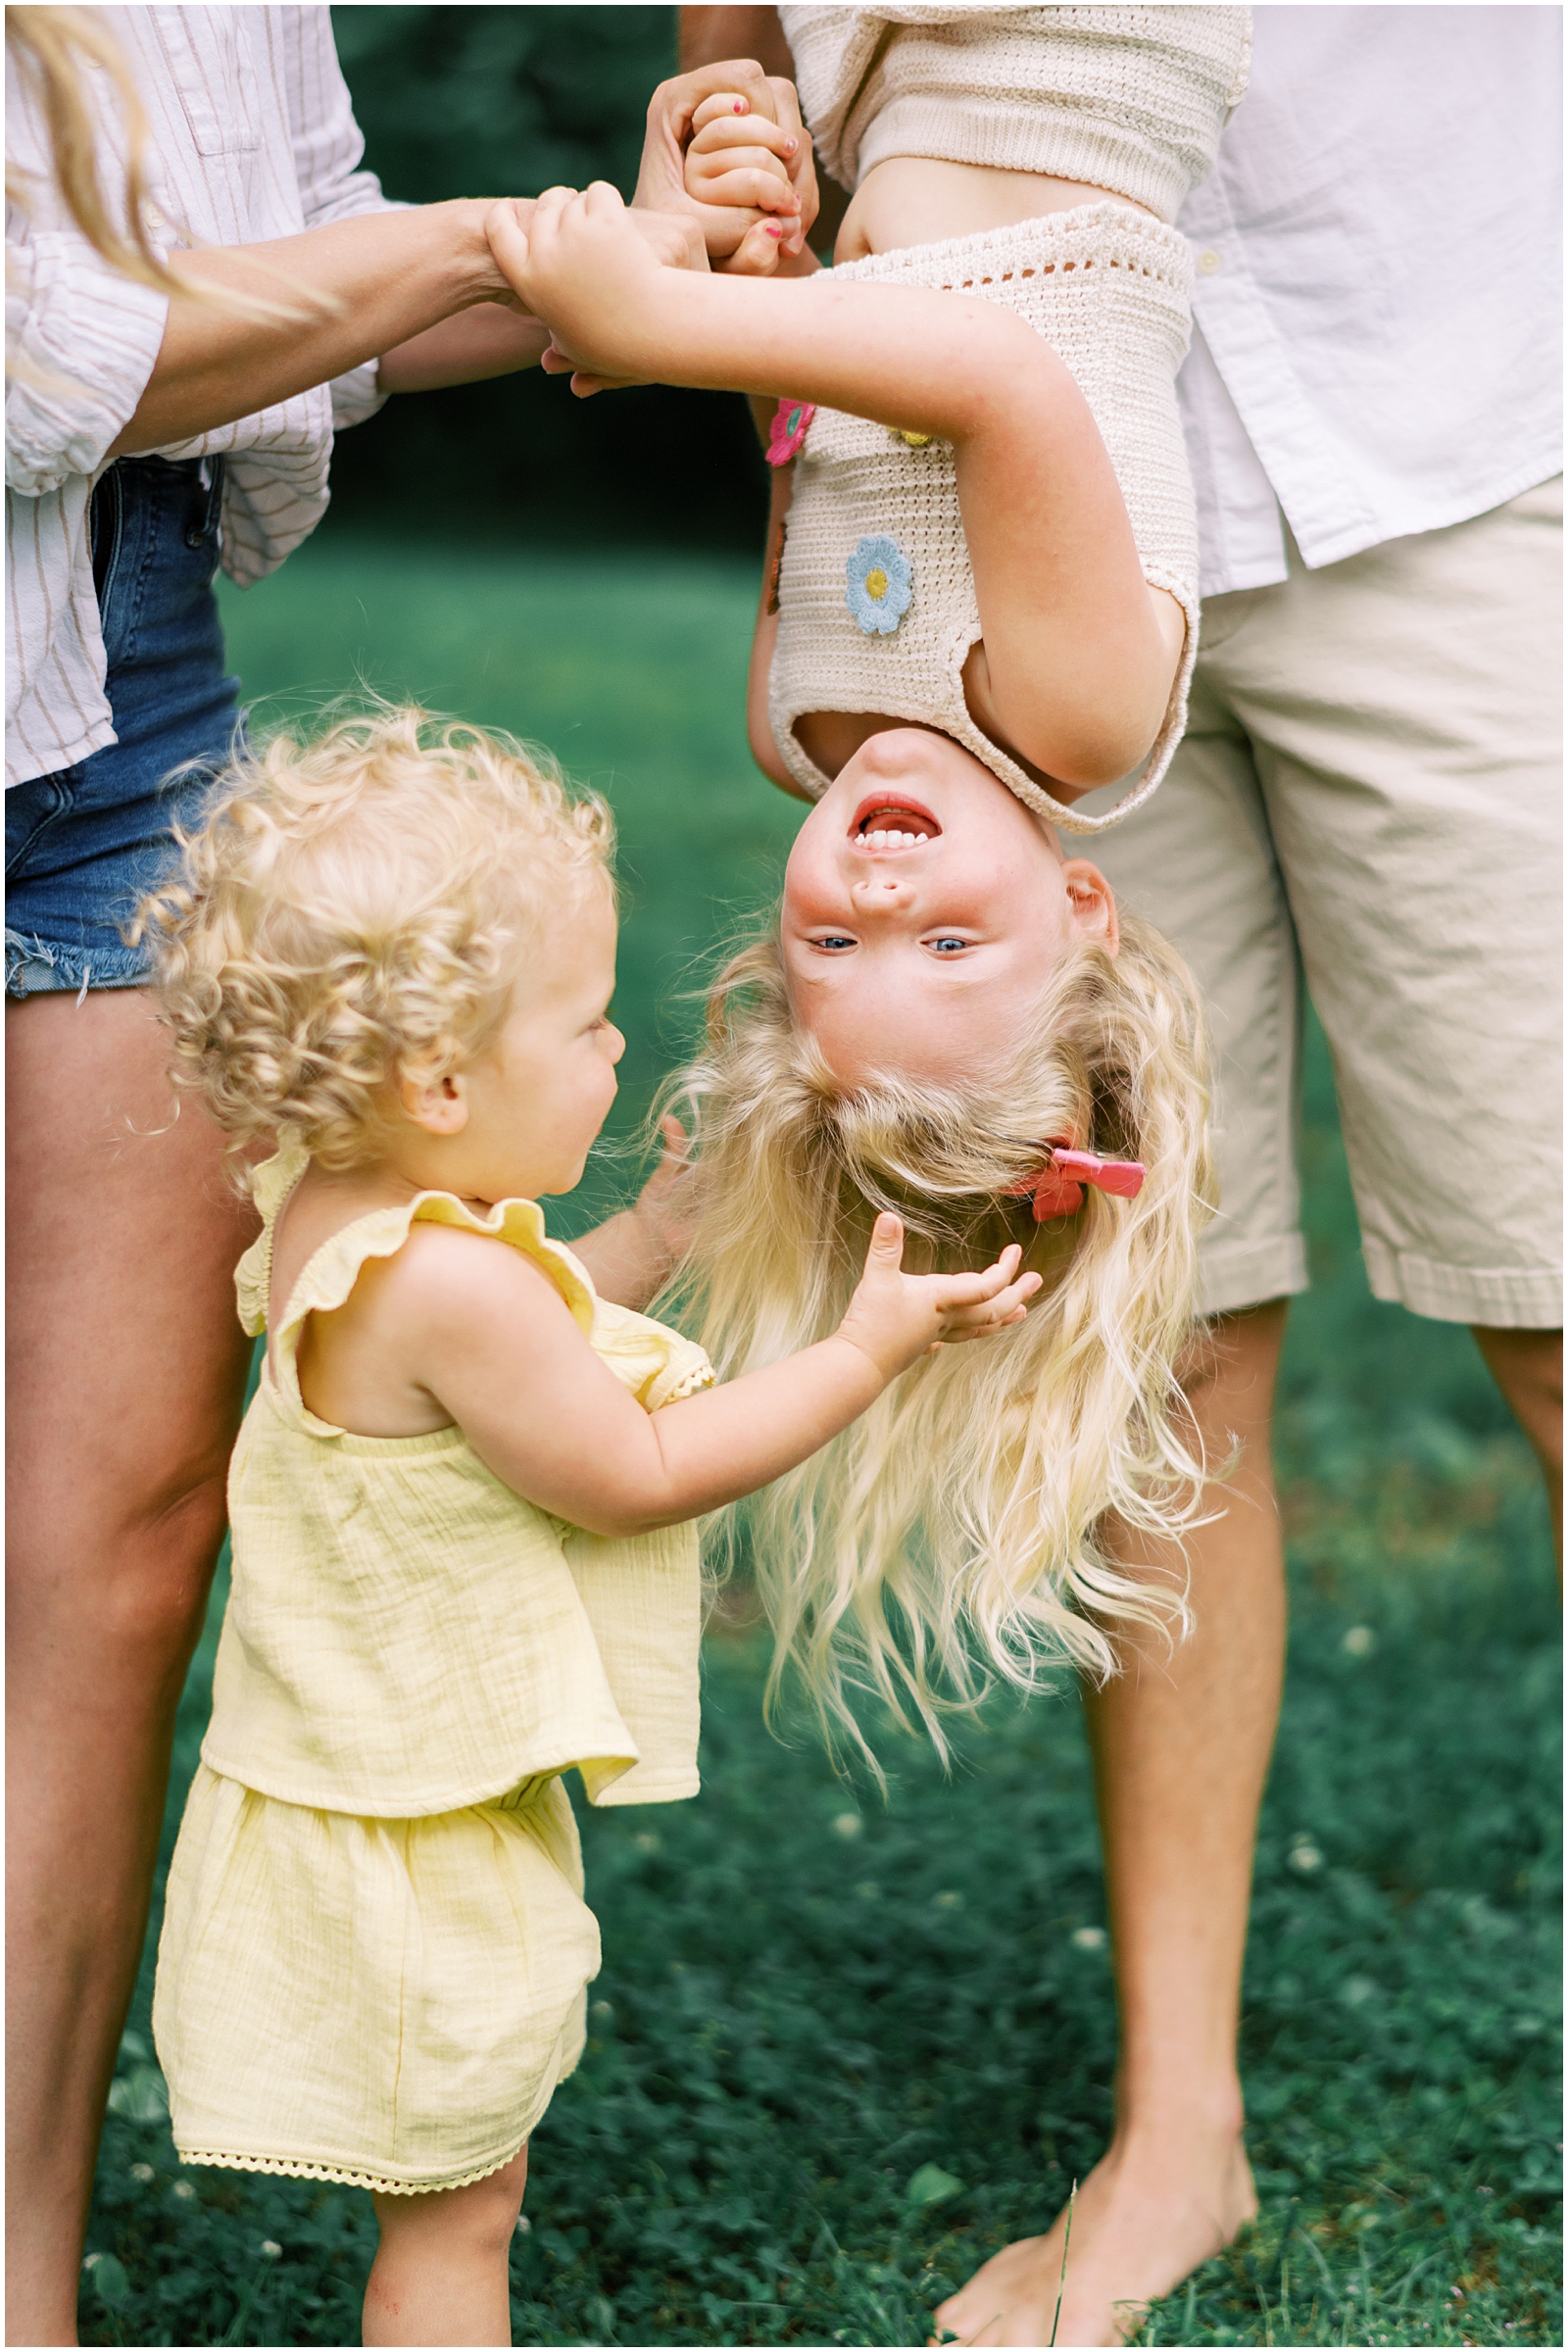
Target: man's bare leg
{"type": "Point", "coordinates": [1181, 1747]}
{"type": "Point", "coordinates": [1527, 1366]}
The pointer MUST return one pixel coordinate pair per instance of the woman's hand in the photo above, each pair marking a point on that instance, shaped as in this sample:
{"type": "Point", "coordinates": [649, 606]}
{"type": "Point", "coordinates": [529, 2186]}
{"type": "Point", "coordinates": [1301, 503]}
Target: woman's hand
{"type": "Point", "coordinates": [895, 1318]}
{"type": "Point", "coordinates": [590, 268]}
{"type": "Point", "coordinates": [771, 202]}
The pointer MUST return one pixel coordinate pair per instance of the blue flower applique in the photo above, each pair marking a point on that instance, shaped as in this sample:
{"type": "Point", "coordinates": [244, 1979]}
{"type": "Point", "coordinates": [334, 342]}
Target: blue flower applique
{"type": "Point", "coordinates": [881, 584]}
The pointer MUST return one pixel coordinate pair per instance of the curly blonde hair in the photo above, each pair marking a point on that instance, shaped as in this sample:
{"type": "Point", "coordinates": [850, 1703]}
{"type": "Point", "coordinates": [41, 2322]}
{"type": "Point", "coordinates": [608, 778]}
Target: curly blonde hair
{"type": "Point", "coordinates": [354, 910]}
{"type": "Point", "coordinates": [953, 1535]}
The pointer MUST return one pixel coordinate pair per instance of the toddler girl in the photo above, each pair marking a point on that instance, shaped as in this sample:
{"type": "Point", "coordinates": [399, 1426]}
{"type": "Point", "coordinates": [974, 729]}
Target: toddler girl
{"type": "Point", "coordinates": [461, 1501]}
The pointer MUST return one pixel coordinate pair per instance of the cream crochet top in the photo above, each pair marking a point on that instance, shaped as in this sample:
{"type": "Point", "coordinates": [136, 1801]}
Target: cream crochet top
{"type": "Point", "coordinates": [1128, 99]}
{"type": "Point", "coordinates": [405, 1635]}
{"type": "Point", "coordinates": [876, 602]}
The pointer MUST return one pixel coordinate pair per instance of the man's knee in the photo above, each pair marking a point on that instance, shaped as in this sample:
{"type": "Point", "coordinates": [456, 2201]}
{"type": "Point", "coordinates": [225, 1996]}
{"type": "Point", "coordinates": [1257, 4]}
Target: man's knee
{"type": "Point", "coordinates": [1527, 1366]}
{"type": "Point", "coordinates": [1229, 1371]}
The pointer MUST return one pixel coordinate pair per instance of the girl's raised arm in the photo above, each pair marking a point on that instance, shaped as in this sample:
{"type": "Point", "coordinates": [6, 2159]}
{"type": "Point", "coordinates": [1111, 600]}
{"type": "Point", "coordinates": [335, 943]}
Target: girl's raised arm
{"type": "Point", "coordinates": [1080, 666]}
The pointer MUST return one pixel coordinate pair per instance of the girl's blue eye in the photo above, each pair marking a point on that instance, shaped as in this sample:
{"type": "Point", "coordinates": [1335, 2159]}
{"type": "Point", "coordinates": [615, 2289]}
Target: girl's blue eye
{"type": "Point", "coordinates": [947, 947]}
{"type": "Point", "coordinates": [835, 939]}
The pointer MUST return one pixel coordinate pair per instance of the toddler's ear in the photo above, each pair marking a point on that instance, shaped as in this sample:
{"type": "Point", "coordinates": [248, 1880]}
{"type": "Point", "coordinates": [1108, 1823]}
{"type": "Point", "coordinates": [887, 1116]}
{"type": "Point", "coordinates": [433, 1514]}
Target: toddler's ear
{"type": "Point", "coordinates": [440, 1105]}
{"type": "Point", "coordinates": [1089, 896]}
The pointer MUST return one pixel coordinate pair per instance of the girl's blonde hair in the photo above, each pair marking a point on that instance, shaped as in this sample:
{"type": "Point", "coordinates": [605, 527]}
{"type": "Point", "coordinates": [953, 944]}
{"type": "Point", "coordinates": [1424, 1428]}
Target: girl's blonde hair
{"type": "Point", "coordinates": [954, 1534]}
{"type": "Point", "coordinates": [354, 910]}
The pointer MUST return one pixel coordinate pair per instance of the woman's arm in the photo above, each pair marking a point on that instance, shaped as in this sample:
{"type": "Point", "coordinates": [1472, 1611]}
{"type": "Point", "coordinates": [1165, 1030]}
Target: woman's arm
{"type": "Point", "coordinates": [1079, 668]}
{"type": "Point", "coordinates": [470, 348]}
{"type": "Point", "coordinates": [344, 293]}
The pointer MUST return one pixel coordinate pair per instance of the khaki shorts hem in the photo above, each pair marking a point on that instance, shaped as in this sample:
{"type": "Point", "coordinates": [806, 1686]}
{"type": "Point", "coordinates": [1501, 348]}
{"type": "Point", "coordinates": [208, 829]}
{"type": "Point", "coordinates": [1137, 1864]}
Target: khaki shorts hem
{"type": "Point", "coordinates": [1501, 1299]}
{"type": "Point", "coordinates": [1234, 1275]}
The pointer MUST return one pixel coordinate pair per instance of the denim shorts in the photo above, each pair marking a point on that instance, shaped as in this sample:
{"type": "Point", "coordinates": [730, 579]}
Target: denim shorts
{"type": "Point", "coordinates": [83, 845]}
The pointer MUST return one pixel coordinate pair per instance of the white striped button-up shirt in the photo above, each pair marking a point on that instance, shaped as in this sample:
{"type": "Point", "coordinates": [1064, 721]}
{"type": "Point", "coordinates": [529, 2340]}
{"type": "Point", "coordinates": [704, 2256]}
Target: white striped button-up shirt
{"type": "Point", "coordinates": [251, 136]}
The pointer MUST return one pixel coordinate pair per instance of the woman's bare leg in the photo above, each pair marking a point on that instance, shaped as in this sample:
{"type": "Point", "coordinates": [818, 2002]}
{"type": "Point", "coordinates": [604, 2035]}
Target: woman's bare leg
{"type": "Point", "coordinates": [125, 1371]}
{"type": "Point", "coordinates": [1181, 1749]}
{"type": "Point", "coordinates": [440, 2271]}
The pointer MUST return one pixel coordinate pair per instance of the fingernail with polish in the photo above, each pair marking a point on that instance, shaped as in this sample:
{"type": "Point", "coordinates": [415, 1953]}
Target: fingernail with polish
{"type": "Point", "coordinates": [740, 106]}
{"type": "Point", "coordinates": [774, 228]}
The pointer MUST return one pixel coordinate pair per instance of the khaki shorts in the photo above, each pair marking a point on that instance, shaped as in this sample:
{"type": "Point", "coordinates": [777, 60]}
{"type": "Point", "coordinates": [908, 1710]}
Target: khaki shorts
{"type": "Point", "coordinates": [1369, 794]}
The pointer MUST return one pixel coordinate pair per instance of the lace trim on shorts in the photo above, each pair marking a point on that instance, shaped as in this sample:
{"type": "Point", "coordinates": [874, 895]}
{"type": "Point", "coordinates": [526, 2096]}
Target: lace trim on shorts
{"type": "Point", "coordinates": [293, 2169]}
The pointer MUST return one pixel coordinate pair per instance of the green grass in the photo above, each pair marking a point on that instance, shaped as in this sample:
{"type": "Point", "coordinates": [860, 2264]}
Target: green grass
{"type": "Point", "coordinates": [840, 2051]}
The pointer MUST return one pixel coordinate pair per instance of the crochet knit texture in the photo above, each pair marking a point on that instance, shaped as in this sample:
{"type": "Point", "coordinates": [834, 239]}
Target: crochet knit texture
{"type": "Point", "coordinates": [1108, 289]}
{"type": "Point", "coordinates": [1132, 100]}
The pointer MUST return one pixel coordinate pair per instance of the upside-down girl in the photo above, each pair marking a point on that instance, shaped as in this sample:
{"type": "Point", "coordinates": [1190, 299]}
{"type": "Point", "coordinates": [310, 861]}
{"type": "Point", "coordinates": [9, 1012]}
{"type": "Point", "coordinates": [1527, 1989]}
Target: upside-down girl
{"type": "Point", "coordinates": [980, 607]}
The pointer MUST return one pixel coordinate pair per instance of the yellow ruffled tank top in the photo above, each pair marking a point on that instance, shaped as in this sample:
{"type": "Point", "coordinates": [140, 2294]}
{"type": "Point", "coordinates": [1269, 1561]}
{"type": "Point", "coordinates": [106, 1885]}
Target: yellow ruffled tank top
{"type": "Point", "coordinates": [407, 1635]}
{"type": "Point", "coordinates": [375, 1943]}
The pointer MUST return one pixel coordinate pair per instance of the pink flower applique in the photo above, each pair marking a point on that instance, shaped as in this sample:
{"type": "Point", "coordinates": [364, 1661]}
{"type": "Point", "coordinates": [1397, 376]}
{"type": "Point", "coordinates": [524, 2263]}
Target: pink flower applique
{"type": "Point", "coordinates": [788, 430]}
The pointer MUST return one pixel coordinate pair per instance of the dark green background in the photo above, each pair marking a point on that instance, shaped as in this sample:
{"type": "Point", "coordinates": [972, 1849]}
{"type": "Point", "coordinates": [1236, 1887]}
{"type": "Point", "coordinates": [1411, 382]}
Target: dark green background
{"type": "Point", "coordinates": [505, 102]}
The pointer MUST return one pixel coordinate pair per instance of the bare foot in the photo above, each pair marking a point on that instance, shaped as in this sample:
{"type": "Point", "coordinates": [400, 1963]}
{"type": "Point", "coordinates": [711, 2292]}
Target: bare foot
{"type": "Point", "coordinates": [1142, 2220]}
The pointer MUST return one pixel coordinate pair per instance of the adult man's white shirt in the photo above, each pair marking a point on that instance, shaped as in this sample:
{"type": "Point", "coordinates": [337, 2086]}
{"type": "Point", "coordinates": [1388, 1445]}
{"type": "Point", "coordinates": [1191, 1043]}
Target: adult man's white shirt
{"type": "Point", "coordinates": [1377, 307]}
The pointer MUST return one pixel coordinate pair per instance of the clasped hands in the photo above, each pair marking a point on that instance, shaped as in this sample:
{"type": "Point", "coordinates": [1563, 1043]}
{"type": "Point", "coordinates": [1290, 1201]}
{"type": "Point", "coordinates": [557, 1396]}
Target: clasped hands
{"type": "Point", "coordinates": [726, 182]}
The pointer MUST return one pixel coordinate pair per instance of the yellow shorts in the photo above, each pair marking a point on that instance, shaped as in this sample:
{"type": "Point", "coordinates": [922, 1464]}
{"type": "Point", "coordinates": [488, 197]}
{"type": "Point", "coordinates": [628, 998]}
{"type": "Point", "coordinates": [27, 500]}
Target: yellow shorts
{"type": "Point", "coordinates": [389, 2003]}
{"type": "Point", "coordinates": [1370, 790]}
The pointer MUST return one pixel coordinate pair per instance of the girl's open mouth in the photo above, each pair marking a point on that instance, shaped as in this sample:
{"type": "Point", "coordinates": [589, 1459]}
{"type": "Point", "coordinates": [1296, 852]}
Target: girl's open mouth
{"type": "Point", "coordinates": [891, 824]}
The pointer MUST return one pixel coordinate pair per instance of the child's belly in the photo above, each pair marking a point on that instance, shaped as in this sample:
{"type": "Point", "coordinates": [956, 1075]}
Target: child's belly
{"type": "Point", "coordinates": [915, 200]}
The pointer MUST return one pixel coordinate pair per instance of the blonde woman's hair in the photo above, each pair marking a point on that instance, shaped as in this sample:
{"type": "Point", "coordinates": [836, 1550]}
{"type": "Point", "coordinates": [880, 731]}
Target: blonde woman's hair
{"type": "Point", "coordinates": [56, 51]}
{"type": "Point", "coordinates": [953, 1535]}
{"type": "Point", "coordinates": [352, 911]}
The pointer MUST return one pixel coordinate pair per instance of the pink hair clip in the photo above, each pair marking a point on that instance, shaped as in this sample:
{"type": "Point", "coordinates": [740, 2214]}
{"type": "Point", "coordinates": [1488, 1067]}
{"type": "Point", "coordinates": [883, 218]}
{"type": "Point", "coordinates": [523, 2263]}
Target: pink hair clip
{"type": "Point", "coordinates": [1058, 1188]}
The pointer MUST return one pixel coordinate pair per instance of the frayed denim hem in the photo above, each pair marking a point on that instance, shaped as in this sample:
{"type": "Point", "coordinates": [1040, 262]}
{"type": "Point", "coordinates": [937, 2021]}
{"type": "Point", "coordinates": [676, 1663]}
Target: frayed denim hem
{"type": "Point", "coordinates": [37, 967]}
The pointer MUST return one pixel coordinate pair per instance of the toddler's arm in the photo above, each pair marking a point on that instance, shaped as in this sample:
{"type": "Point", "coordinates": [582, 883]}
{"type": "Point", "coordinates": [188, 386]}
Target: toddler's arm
{"type": "Point", "coordinates": [1080, 666]}
{"type": "Point", "coordinates": [487, 1336]}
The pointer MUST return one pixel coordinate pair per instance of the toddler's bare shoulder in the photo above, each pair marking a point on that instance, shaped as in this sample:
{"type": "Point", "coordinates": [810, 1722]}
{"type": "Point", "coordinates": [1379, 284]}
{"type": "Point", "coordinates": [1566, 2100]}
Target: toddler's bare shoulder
{"type": "Point", "coordinates": [442, 1265]}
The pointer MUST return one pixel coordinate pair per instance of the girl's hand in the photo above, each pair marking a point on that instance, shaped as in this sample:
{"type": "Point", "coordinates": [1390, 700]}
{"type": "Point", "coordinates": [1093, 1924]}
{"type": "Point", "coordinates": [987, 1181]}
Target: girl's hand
{"type": "Point", "coordinates": [895, 1318]}
{"type": "Point", "coordinates": [630, 1256]}
{"type": "Point", "coordinates": [590, 270]}
{"type": "Point", "coordinates": [737, 162]}
{"type": "Point", "coordinates": [735, 226]}
{"type": "Point", "coordinates": [662, 1211]}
